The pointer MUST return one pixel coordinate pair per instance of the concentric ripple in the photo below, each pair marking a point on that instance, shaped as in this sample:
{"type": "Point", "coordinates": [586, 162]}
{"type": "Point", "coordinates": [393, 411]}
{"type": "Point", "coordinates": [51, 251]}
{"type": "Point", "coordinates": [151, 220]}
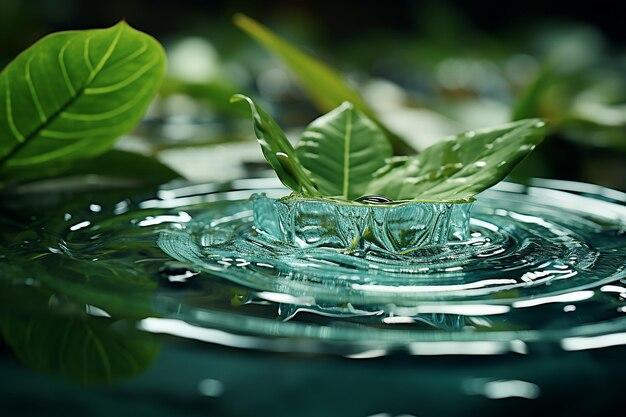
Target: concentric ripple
{"type": "Point", "coordinates": [521, 247]}
{"type": "Point", "coordinates": [545, 262]}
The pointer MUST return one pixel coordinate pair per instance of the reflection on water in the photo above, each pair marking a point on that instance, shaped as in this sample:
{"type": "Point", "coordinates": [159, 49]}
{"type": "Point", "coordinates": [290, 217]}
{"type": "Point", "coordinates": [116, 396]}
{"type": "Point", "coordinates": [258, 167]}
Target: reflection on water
{"type": "Point", "coordinates": [89, 296]}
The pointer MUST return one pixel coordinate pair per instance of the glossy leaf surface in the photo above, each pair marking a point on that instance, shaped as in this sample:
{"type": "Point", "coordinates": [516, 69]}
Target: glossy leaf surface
{"type": "Point", "coordinates": [277, 149]}
{"type": "Point", "coordinates": [72, 94]}
{"type": "Point", "coordinates": [342, 150]}
{"type": "Point", "coordinates": [461, 166]}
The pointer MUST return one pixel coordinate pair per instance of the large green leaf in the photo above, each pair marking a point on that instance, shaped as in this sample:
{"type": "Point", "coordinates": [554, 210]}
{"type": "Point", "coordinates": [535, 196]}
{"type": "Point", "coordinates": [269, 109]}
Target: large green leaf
{"type": "Point", "coordinates": [72, 94]}
{"type": "Point", "coordinates": [461, 166]}
{"type": "Point", "coordinates": [342, 150]}
{"type": "Point", "coordinates": [325, 86]}
{"type": "Point", "coordinates": [277, 149]}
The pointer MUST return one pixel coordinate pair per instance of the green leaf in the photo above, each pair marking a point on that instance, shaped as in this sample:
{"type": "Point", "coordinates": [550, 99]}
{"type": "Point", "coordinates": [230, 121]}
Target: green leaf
{"type": "Point", "coordinates": [325, 86]}
{"type": "Point", "coordinates": [122, 164]}
{"type": "Point", "coordinates": [277, 149]}
{"type": "Point", "coordinates": [137, 169]}
{"type": "Point", "coordinates": [342, 150]}
{"type": "Point", "coordinates": [70, 95]}
{"type": "Point", "coordinates": [461, 166]}
{"type": "Point", "coordinates": [86, 350]}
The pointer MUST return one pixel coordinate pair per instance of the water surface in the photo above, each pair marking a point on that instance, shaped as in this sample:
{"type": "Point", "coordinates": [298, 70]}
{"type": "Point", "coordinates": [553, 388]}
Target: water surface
{"type": "Point", "coordinates": [129, 293]}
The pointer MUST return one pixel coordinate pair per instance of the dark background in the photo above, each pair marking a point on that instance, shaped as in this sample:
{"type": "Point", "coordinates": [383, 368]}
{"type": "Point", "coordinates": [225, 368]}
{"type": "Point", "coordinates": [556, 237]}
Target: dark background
{"type": "Point", "coordinates": [24, 21]}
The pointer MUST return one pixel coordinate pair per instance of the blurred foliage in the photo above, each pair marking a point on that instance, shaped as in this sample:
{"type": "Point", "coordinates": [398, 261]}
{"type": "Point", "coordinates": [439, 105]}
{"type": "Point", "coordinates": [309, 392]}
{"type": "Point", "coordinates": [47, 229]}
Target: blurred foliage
{"type": "Point", "coordinates": [427, 69]}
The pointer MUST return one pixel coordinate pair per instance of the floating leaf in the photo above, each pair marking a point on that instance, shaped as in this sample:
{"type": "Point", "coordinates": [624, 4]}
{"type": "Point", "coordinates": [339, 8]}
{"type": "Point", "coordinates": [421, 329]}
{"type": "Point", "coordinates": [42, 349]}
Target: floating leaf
{"type": "Point", "coordinates": [72, 94]}
{"type": "Point", "coordinates": [461, 166]}
{"type": "Point", "coordinates": [325, 86]}
{"type": "Point", "coordinates": [342, 150]}
{"type": "Point", "coordinates": [277, 149]}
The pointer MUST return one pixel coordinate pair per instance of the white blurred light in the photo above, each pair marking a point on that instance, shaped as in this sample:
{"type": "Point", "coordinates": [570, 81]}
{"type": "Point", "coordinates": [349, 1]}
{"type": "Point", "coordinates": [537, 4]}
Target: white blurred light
{"type": "Point", "coordinates": [193, 59]}
{"type": "Point", "coordinates": [593, 342]}
{"type": "Point", "coordinates": [501, 388]}
{"type": "Point", "coordinates": [211, 387]}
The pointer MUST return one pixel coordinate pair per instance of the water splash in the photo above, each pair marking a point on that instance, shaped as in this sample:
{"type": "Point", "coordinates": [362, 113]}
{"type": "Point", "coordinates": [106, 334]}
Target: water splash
{"type": "Point", "coordinates": [540, 264]}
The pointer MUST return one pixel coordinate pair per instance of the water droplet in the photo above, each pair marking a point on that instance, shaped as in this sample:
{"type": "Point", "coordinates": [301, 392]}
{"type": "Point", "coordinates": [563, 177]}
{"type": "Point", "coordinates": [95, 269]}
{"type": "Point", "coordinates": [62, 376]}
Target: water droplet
{"type": "Point", "coordinates": [501, 163]}
{"type": "Point", "coordinates": [480, 164]}
{"type": "Point", "coordinates": [540, 124]}
{"type": "Point", "coordinates": [121, 207]}
{"type": "Point", "coordinates": [177, 272]}
{"type": "Point", "coordinates": [470, 134]}
{"type": "Point", "coordinates": [80, 225]}
{"type": "Point", "coordinates": [96, 208]}
{"type": "Point", "coordinates": [374, 199]}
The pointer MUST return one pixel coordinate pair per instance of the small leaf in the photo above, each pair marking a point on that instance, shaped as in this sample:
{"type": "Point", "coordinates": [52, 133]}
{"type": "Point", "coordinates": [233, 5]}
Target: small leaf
{"type": "Point", "coordinates": [73, 93]}
{"type": "Point", "coordinates": [342, 150]}
{"type": "Point", "coordinates": [325, 86]}
{"type": "Point", "coordinates": [277, 149]}
{"type": "Point", "coordinates": [461, 166]}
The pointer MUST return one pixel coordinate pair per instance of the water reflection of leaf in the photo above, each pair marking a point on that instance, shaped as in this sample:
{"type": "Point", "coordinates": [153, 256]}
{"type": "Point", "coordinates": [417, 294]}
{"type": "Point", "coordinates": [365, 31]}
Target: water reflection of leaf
{"type": "Point", "coordinates": [87, 350]}
{"type": "Point", "coordinates": [72, 324]}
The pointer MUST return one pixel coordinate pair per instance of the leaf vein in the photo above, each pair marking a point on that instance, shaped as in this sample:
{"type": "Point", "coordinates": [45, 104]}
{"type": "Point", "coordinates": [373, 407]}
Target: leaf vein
{"type": "Point", "coordinates": [94, 117]}
{"type": "Point", "coordinates": [10, 120]}
{"type": "Point", "coordinates": [59, 134]}
{"type": "Point", "coordinates": [86, 57]}
{"type": "Point", "coordinates": [33, 92]}
{"type": "Point", "coordinates": [117, 86]}
{"type": "Point", "coordinates": [95, 71]}
{"type": "Point", "coordinates": [66, 76]}
{"type": "Point", "coordinates": [346, 155]}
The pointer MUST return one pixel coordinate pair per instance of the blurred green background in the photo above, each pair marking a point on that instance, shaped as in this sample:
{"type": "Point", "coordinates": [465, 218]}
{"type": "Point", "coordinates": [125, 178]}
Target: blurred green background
{"type": "Point", "coordinates": [427, 68]}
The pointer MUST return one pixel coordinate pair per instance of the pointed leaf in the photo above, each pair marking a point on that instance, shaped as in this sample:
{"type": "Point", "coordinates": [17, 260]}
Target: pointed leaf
{"type": "Point", "coordinates": [342, 150]}
{"type": "Point", "coordinates": [324, 85]}
{"type": "Point", "coordinates": [461, 166]}
{"type": "Point", "coordinates": [277, 149]}
{"type": "Point", "coordinates": [73, 93]}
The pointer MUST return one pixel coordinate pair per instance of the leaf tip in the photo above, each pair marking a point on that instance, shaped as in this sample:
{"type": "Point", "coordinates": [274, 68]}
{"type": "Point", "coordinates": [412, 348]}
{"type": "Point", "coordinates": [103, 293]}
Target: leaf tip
{"type": "Point", "coordinates": [347, 105]}
{"type": "Point", "coordinates": [238, 98]}
{"type": "Point", "coordinates": [241, 20]}
{"type": "Point", "coordinates": [122, 24]}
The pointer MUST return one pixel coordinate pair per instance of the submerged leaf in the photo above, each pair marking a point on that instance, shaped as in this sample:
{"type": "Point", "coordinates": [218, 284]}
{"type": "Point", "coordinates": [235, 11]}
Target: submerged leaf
{"type": "Point", "coordinates": [324, 85]}
{"type": "Point", "coordinates": [72, 94]}
{"type": "Point", "coordinates": [277, 149]}
{"type": "Point", "coordinates": [461, 166]}
{"type": "Point", "coordinates": [342, 150]}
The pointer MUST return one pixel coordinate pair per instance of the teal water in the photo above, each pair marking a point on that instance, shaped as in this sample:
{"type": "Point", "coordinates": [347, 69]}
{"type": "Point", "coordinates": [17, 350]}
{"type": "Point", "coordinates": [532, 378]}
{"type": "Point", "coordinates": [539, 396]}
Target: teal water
{"type": "Point", "coordinates": [171, 301]}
